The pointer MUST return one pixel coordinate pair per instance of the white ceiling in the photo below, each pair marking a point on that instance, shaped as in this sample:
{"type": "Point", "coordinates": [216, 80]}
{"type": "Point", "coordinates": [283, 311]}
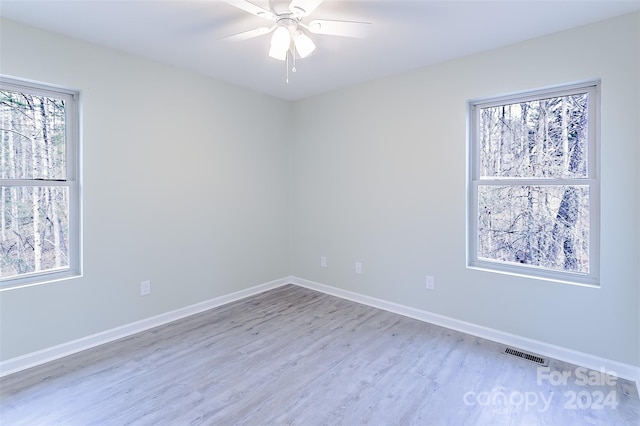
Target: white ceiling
{"type": "Point", "coordinates": [404, 35]}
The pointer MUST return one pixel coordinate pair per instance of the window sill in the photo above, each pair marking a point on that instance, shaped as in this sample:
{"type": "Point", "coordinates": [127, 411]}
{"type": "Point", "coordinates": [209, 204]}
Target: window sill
{"type": "Point", "coordinates": [536, 274]}
{"type": "Point", "coordinates": [37, 279]}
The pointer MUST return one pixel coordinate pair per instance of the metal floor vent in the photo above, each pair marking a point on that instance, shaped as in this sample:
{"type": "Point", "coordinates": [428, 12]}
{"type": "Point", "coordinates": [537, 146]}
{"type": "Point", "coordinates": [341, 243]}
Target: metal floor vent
{"type": "Point", "coordinates": [529, 357]}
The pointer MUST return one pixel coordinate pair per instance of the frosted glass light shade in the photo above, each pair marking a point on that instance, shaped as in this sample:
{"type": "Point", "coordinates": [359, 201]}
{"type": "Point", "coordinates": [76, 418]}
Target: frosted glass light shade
{"type": "Point", "coordinates": [279, 54]}
{"type": "Point", "coordinates": [304, 45]}
{"type": "Point", "coordinates": [281, 38]}
{"type": "Point", "coordinates": [280, 42]}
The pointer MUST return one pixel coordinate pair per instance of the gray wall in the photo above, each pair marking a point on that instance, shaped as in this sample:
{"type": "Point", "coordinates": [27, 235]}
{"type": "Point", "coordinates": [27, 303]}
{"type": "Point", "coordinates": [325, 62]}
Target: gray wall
{"type": "Point", "coordinates": [185, 184]}
{"type": "Point", "coordinates": [379, 177]}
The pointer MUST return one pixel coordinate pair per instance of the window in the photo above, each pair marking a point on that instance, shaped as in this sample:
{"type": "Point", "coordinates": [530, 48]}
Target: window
{"type": "Point", "coordinates": [533, 206]}
{"type": "Point", "coordinates": [39, 187]}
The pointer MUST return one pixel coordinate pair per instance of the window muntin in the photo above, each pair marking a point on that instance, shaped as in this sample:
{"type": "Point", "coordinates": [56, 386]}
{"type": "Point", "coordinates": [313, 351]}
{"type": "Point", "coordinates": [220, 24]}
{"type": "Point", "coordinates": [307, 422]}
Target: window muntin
{"type": "Point", "coordinates": [39, 190]}
{"type": "Point", "coordinates": [533, 187]}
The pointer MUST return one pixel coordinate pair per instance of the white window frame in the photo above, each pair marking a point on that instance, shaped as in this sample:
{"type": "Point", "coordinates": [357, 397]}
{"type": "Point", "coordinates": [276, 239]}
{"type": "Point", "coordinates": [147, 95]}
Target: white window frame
{"type": "Point", "coordinates": [73, 172]}
{"type": "Point", "coordinates": [592, 278]}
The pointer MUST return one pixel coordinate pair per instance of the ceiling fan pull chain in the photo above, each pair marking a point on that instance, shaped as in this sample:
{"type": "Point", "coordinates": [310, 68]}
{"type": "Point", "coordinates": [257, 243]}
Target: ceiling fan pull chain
{"type": "Point", "coordinates": [287, 67]}
{"type": "Point", "coordinates": [293, 55]}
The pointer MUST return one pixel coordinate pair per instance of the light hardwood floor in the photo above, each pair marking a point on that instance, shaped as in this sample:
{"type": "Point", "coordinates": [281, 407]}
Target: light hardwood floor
{"type": "Point", "coordinates": [296, 356]}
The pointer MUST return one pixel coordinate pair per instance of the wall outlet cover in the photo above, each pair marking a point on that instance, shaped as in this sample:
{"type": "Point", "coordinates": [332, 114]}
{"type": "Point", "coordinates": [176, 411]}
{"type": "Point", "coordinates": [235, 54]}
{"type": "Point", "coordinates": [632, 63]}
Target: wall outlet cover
{"type": "Point", "coordinates": [145, 288]}
{"type": "Point", "coordinates": [430, 283]}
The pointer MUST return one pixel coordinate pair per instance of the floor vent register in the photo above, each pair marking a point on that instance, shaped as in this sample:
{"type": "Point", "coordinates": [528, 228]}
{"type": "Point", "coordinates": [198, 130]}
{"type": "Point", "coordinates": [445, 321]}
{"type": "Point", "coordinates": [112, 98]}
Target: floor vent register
{"type": "Point", "coordinates": [529, 357]}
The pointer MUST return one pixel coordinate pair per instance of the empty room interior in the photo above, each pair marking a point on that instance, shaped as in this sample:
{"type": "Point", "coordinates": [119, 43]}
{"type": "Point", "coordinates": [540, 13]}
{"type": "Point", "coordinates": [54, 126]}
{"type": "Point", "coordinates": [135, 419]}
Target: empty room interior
{"type": "Point", "coordinates": [254, 236]}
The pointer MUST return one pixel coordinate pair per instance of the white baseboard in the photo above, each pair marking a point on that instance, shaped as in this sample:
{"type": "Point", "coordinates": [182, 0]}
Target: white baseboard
{"type": "Point", "coordinates": [625, 371]}
{"type": "Point", "coordinates": [33, 359]}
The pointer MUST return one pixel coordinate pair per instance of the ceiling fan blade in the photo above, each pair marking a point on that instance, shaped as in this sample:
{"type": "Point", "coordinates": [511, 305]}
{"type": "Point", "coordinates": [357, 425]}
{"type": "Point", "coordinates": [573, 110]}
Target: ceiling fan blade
{"type": "Point", "coordinates": [251, 8]}
{"type": "Point", "coordinates": [304, 7]}
{"type": "Point", "coordinates": [245, 35]}
{"type": "Point", "coordinates": [339, 28]}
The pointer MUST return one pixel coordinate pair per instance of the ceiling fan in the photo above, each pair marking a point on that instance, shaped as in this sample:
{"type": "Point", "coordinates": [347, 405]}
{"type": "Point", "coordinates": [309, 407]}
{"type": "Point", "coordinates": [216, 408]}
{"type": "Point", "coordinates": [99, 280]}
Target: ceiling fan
{"type": "Point", "coordinates": [289, 29]}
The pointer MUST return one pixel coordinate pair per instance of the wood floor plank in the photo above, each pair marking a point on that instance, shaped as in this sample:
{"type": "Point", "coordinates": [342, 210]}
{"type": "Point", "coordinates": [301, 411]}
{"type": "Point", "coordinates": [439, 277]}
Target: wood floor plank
{"type": "Point", "coordinates": [295, 356]}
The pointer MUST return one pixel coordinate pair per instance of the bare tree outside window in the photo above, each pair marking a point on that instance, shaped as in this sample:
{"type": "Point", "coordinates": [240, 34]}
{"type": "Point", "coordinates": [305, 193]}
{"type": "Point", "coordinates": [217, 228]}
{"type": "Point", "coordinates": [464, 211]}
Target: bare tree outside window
{"type": "Point", "coordinates": [532, 180]}
{"type": "Point", "coordinates": [35, 188]}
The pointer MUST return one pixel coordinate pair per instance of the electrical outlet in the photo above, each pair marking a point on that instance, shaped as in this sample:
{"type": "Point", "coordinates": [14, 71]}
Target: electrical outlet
{"type": "Point", "coordinates": [145, 288]}
{"type": "Point", "coordinates": [430, 283]}
{"type": "Point", "coordinates": [358, 267]}
{"type": "Point", "coordinates": [323, 261]}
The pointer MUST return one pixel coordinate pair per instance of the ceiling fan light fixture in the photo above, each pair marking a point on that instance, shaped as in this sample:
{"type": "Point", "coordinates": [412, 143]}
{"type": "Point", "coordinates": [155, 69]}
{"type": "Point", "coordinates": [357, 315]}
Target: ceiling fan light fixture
{"type": "Point", "coordinates": [290, 31]}
{"type": "Point", "coordinates": [280, 43]}
{"type": "Point", "coordinates": [304, 44]}
{"type": "Point", "coordinates": [278, 53]}
{"type": "Point", "coordinates": [281, 38]}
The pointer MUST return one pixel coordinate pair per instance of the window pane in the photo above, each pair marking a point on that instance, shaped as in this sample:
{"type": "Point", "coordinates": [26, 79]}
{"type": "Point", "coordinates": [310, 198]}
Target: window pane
{"type": "Point", "coordinates": [542, 226]}
{"type": "Point", "coordinates": [544, 138]}
{"type": "Point", "coordinates": [35, 229]}
{"type": "Point", "coordinates": [32, 139]}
